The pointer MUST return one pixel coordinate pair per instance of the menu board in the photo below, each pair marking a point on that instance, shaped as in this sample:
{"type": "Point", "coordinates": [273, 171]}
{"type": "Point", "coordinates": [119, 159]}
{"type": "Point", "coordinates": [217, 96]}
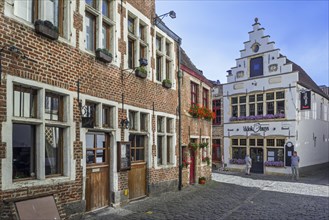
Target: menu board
{"type": "Point", "coordinates": [124, 157]}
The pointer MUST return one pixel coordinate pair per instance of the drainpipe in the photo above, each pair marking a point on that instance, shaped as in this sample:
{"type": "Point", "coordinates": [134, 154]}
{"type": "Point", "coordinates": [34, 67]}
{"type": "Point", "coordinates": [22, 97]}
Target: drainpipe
{"type": "Point", "coordinates": [179, 76]}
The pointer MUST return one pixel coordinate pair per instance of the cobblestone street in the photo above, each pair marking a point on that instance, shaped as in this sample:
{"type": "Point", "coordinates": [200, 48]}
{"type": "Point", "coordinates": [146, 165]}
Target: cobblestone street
{"type": "Point", "coordinates": [234, 196]}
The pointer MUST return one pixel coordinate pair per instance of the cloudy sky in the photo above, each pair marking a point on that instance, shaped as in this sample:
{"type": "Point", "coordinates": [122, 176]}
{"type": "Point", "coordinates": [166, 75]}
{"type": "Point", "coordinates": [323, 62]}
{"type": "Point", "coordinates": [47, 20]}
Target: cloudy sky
{"type": "Point", "coordinates": [213, 32]}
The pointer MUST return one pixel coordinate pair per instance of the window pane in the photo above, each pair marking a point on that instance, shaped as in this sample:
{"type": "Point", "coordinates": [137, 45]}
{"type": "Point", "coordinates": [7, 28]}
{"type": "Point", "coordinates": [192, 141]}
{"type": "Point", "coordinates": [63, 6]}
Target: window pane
{"type": "Point", "coordinates": [252, 109]}
{"type": "Point", "coordinates": [252, 142]}
{"type": "Point", "coordinates": [140, 154]}
{"type": "Point", "coordinates": [90, 156]}
{"type": "Point", "coordinates": [270, 142]}
{"type": "Point", "coordinates": [92, 3]}
{"type": "Point", "coordinates": [235, 141]}
{"type": "Point", "coordinates": [158, 69]}
{"type": "Point", "coordinates": [52, 11]}
{"type": "Point", "coordinates": [23, 9]}
{"type": "Point", "coordinates": [131, 59]}
{"type": "Point", "coordinates": [259, 98]}
{"type": "Point", "coordinates": [260, 109]}
{"type": "Point", "coordinates": [280, 142]}
{"type": "Point", "coordinates": [256, 66]}
{"type": "Point", "coordinates": [100, 141]}
{"type": "Point", "coordinates": [270, 107]}
{"type": "Point", "coordinates": [159, 150]}
{"type": "Point", "coordinates": [90, 32]}
{"type": "Point", "coordinates": [158, 43]}
{"type": "Point", "coordinates": [89, 140]}
{"type": "Point", "coordinates": [104, 37]}
{"type": "Point", "coordinates": [252, 98]}
{"type": "Point", "coordinates": [270, 96]}
{"type": "Point", "coordinates": [167, 49]}
{"type": "Point", "coordinates": [243, 142]}
{"type": "Point", "coordinates": [144, 124]}
{"type": "Point", "coordinates": [169, 149]}
{"type": "Point", "coordinates": [100, 156]}
{"type": "Point", "coordinates": [23, 151]}
{"type": "Point", "coordinates": [260, 142]}
{"type": "Point", "coordinates": [105, 8]}
{"type": "Point", "coordinates": [131, 25]}
{"type": "Point", "coordinates": [17, 105]}
{"type": "Point", "coordinates": [280, 107]}
{"type": "Point", "coordinates": [242, 99]}
{"type": "Point", "coordinates": [53, 146]}
{"type": "Point", "coordinates": [280, 95]}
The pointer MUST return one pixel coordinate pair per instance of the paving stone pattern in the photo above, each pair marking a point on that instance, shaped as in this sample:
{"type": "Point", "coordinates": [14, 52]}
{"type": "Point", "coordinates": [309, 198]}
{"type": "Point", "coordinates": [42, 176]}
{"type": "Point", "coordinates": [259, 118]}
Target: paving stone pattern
{"type": "Point", "coordinates": [234, 196]}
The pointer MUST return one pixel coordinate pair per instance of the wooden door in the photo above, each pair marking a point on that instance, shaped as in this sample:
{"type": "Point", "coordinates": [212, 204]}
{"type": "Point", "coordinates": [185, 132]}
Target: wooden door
{"type": "Point", "coordinates": [257, 162]}
{"type": "Point", "coordinates": [192, 167]}
{"type": "Point", "coordinates": [97, 172]}
{"type": "Point", "coordinates": [137, 180]}
{"type": "Point", "coordinates": [137, 174]}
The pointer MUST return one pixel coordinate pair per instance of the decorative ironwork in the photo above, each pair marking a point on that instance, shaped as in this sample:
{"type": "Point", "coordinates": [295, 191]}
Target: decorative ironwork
{"type": "Point", "coordinates": [87, 112]}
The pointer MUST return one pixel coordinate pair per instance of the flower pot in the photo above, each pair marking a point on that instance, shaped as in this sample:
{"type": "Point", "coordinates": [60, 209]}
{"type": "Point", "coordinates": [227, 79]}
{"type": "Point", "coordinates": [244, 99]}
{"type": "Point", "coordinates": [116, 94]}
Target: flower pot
{"type": "Point", "coordinates": [140, 74]}
{"type": "Point", "coordinates": [166, 84]}
{"type": "Point", "coordinates": [202, 182]}
{"type": "Point", "coordinates": [103, 57]}
{"type": "Point", "coordinates": [45, 31]}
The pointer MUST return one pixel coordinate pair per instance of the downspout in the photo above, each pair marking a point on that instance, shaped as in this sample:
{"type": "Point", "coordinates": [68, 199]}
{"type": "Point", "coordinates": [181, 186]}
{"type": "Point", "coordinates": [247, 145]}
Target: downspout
{"type": "Point", "coordinates": [179, 76]}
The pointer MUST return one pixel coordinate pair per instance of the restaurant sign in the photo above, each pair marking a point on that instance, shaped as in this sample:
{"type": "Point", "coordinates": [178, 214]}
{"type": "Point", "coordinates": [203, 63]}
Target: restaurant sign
{"type": "Point", "coordinates": [256, 127]}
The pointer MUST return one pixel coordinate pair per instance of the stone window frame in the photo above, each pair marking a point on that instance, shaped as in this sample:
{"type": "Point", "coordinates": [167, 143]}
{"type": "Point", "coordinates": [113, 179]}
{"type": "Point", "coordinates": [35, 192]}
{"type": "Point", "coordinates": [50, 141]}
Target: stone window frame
{"type": "Point", "coordinates": [168, 142]}
{"type": "Point", "coordinates": [66, 27]}
{"type": "Point", "coordinates": [166, 57]}
{"type": "Point", "coordinates": [101, 21]}
{"type": "Point", "coordinates": [40, 123]}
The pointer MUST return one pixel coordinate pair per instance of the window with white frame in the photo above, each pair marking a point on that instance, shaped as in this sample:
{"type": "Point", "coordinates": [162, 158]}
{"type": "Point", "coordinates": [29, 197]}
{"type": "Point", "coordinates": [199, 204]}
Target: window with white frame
{"type": "Point", "coordinates": [165, 138]}
{"type": "Point", "coordinates": [137, 47]}
{"type": "Point", "coordinates": [99, 25]}
{"type": "Point", "coordinates": [47, 135]}
{"type": "Point", "coordinates": [164, 58]}
{"type": "Point", "coordinates": [55, 11]}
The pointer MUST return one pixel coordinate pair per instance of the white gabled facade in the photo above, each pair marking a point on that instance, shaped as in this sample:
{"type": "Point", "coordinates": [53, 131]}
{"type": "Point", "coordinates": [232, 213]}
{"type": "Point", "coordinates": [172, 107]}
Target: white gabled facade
{"type": "Point", "coordinates": [263, 115]}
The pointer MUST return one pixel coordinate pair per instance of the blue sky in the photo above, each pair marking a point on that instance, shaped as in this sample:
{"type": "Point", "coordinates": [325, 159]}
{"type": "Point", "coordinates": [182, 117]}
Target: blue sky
{"type": "Point", "coordinates": [213, 32]}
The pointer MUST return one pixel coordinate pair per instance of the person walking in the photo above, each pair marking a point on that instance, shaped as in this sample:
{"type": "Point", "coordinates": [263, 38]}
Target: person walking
{"type": "Point", "coordinates": [248, 164]}
{"type": "Point", "coordinates": [295, 166]}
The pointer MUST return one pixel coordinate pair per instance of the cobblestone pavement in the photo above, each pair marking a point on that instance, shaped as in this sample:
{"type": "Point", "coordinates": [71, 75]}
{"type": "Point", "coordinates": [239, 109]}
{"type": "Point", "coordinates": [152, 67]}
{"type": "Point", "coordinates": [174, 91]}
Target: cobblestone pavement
{"type": "Point", "coordinates": [234, 196]}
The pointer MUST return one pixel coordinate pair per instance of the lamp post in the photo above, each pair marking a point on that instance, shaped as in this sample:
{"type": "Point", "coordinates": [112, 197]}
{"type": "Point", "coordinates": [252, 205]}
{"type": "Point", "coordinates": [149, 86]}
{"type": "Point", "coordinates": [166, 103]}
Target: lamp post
{"type": "Point", "coordinates": [159, 18]}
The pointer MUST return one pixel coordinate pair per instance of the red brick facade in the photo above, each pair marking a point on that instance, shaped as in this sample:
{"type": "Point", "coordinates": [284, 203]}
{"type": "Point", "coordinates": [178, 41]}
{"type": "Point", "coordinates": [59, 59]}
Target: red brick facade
{"type": "Point", "coordinates": [61, 65]}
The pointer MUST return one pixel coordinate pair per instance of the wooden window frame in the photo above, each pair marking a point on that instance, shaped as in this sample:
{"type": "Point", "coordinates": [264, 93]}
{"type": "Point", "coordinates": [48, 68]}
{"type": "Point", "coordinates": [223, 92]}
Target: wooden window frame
{"type": "Point", "coordinates": [90, 15]}
{"type": "Point", "coordinates": [134, 147]}
{"type": "Point", "coordinates": [95, 148]}
{"type": "Point", "coordinates": [108, 35]}
{"type": "Point", "coordinates": [33, 112]}
{"type": "Point", "coordinates": [60, 106]}
{"type": "Point", "coordinates": [205, 97]}
{"type": "Point", "coordinates": [107, 116]}
{"type": "Point", "coordinates": [194, 93]}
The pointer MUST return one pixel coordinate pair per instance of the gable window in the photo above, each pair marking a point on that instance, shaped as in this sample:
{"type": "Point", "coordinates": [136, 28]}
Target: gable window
{"type": "Point", "coordinates": [194, 93]}
{"type": "Point", "coordinates": [205, 97]}
{"type": "Point", "coordinates": [25, 102]}
{"type": "Point", "coordinates": [51, 10]}
{"type": "Point", "coordinates": [256, 66]}
{"type": "Point", "coordinates": [216, 106]}
{"type": "Point", "coordinates": [99, 25]}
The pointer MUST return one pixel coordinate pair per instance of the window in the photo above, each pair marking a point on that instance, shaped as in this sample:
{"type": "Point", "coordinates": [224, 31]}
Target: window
{"type": "Point", "coordinates": [256, 66]}
{"type": "Point", "coordinates": [194, 93]}
{"type": "Point", "coordinates": [158, 69]}
{"type": "Point", "coordinates": [252, 105]}
{"type": "Point", "coordinates": [260, 104]}
{"type": "Point", "coordinates": [42, 140]}
{"type": "Point", "coordinates": [260, 142]}
{"type": "Point", "coordinates": [164, 58]}
{"type": "Point", "coordinates": [24, 151]}
{"type": "Point", "coordinates": [137, 40]}
{"type": "Point", "coordinates": [137, 147]}
{"type": "Point", "coordinates": [53, 152]}
{"type": "Point", "coordinates": [280, 100]}
{"type": "Point", "coordinates": [165, 137]}
{"type": "Point", "coordinates": [53, 107]}
{"type": "Point", "coordinates": [216, 151]}
{"type": "Point", "coordinates": [90, 32]}
{"type": "Point", "coordinates": [275, 154]}
{"type": "Point", "coordinates": [90, 111]}
{"type": "Point", "coordinates": [238, 153]}
{"type": "Point", "coordinates": [144, 121]}
{"type": "Point", "coordinates": [25, 102]}
{"type": "Point", "coordinates": [205, 93]}
{"type": "Point", "coordinates": [216, 106]}
{"type": "Point", "coordinates": [234, 101]}
{"type": "Point", "coordinates": [242, 105]}
{"type": "Point", "coordinates": [99, 12]}
{"type": "Point", "coordinates": [96, 148]}
{"type": "Point", "coordinates": [270, 103]}
{"type": "Point", "coordinates": [108, 116]}
{"type": "Point", "coordinates": [133, 120]}
{"type": "Point", "coordinates": [51, 10]}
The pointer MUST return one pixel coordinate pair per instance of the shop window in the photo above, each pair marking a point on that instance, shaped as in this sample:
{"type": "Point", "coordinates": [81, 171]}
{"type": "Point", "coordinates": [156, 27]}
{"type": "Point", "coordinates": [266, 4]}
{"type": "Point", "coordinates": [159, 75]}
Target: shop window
{"type": "Point", "coordinates": [25, 102]}
{"type": "Point", "coordinates": [243, 142]}
{"type": "Point", "coordinates": [235, 142]}
{"type": "Point", "coordinates": [270, 142]}
{"type": "Point", "coordinates": [280, 142]}
{"type": "Point", "coordinates": [252, 142]}
{"type": "Point", "coordinates": [24, 151]}
{"type": "Point", "coordinates": [260, 142]}
{"type": "Point", "coordinates": [274, 154]}
{"type": "Point", "coordinates": [238, 153]}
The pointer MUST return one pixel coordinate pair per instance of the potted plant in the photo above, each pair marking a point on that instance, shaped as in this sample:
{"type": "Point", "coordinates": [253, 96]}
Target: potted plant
{"type": "Point", "coordinates": [46, 28]}
{"type": "Point", "coordinates": [202, 180]}
{"type": "Point", "coordinates": [185, 163]}
{"type": "Point", "coordinates": [203, 145]}
{"type": "Point", "coordinates": [206, 159]}
{"type": "Point", "coordinates": [193, 146]}
{"type": "Point", "coordinates": [102, 54]}
{"type": "Point", "coordinates": [166, 83]}
{"type": "Point", "coordinates": [141, 72]}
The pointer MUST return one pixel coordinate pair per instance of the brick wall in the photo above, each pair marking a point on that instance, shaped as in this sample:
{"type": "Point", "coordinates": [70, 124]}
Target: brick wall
{"type": "Point", "coordinates": [61, 65]}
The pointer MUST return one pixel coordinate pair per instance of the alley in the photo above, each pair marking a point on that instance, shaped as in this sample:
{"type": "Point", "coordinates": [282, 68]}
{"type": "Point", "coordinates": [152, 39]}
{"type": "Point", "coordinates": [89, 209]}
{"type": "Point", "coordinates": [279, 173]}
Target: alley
{"type": "Point", "coordinates": [234, 196]}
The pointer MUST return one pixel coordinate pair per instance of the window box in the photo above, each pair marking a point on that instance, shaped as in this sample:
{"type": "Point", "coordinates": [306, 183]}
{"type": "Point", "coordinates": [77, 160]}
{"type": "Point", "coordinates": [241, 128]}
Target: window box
{"type": "Point", "coordinates": [274, 163]}
{"type": "Point", "coordinates": [166, 83]}
{"type": "Point", "coordinates": [46, 29]}
{"type": "Point", "coordinates": [237, 161]}
{"type": "Point", "coordinates": [103, 55]}
{"type": "Point", "coordinates": [141, 72]}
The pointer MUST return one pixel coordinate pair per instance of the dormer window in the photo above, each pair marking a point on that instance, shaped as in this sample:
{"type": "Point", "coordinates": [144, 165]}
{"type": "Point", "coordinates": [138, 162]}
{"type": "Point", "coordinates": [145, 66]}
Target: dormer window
{"type": "Point", "coordinates": [256, 66]}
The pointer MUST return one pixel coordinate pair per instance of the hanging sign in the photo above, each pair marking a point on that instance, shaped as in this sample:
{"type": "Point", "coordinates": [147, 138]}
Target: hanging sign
{"type": "Point", "coordinates": [305, 100]}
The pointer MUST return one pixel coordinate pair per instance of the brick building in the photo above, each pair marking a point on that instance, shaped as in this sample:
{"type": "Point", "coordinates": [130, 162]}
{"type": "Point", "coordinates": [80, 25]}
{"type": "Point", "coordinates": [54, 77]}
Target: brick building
{"type": "Point", "coordinates": [196, 129]}
{"type": "Point", "coordinates": [217, 124]}
{"type": "Point", "coordinates": [64, 113]}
